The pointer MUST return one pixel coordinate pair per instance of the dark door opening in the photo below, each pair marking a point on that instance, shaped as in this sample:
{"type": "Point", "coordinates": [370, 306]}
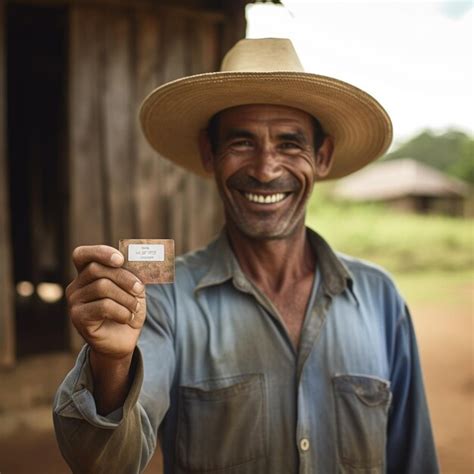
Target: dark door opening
{"type": "Point", "coordinates": [37, 51]}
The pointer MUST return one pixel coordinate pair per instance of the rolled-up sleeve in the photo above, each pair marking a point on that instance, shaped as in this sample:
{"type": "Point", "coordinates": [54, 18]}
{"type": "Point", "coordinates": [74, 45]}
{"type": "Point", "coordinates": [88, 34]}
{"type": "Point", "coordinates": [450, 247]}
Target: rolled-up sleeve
{"type": "Point", "coordinates": [410, 447]}
{"type": "Point", "coordinates": [124, 440]}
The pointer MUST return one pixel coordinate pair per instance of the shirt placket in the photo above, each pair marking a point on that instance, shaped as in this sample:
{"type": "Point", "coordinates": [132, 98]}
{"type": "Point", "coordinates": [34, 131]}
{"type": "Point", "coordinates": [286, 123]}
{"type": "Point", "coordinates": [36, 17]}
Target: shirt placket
{"type": "Point", "coordinates": [306, 435]}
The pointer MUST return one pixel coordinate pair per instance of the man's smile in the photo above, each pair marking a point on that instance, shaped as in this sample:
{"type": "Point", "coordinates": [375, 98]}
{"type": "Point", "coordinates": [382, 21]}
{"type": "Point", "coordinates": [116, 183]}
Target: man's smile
{"type": "Point", "coordinates": [265, 198]}
{"type": "Point", "coordinates": [255, 195]}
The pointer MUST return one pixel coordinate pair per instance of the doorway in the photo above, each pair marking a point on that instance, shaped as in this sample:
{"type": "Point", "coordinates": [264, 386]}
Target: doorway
{"type": "Point", "coordinates": [37, 65]}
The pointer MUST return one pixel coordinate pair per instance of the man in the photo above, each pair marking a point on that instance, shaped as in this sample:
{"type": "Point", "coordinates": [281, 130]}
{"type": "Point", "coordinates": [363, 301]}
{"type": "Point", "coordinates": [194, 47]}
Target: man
{"type": "Point", "coordinates": [269, 353]}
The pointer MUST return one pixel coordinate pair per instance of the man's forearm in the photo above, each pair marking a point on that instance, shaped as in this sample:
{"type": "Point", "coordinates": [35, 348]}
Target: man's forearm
{"type": "Point", "coordinates": [112, 380]}
{"type": "Point", "coordinates": [93, 443]}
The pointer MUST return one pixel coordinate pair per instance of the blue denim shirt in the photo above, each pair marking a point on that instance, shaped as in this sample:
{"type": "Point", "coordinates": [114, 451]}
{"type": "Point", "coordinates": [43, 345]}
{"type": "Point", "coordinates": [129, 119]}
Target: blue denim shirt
{"type": "Point", "coordinates": [219, 381]}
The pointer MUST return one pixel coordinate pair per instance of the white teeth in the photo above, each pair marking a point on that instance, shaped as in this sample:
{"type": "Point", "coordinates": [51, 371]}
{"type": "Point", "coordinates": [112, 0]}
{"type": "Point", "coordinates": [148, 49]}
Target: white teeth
{"type": "Point", "coordinates": [265, 199]}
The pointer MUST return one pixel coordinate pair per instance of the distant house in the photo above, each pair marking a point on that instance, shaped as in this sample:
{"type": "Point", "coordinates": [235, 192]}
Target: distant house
{"type": "Point", "coordinates": [405, 184]}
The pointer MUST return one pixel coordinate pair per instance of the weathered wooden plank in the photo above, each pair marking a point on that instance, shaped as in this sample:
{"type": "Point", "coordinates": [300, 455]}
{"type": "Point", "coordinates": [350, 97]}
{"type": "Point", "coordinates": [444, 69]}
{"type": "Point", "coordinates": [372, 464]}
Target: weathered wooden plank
{"type": "Point", "coordinates": [174, 50]}
{"type": "Point", "coordinates": [205, 47]}
{"type": "Point", "coordinates": [7, 328]}
{"type": "Point", "coordinates": [196, 189]}
{"type": "Point", "coordinates": [150, 178]}
{"type": "Point", "coordinates": [201, 197]}
{"type": "Point", "coordinates": [211, 44]}
{"type": "Point", "coordinates": [118, 104]}
{"type": "Point", "coordinates": [235, 23]}
{"type": "Point", "coordinates": [175, 64]}
{"type": "Point", "coordinates": [88, 212]}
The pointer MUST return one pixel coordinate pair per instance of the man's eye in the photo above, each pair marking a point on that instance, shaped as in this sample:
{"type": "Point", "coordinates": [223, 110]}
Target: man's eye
{"type": "Point", "coordinates": [289, 146]}
{"type": "Point", "coordinates": [241, 144]}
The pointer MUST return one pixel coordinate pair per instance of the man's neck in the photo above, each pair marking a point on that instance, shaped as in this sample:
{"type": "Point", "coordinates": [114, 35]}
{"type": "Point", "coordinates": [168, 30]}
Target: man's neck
{"type": "Point", "coordinates": [274, 264]}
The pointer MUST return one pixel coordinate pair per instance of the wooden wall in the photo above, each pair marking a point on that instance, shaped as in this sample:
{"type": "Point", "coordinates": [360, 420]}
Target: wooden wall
{"type": "Point", "coordinates": [119, 50]}
{"type": "Point", "coordinates": [120, 187]}
{"type": "Point", "coordinates": [7, 339]}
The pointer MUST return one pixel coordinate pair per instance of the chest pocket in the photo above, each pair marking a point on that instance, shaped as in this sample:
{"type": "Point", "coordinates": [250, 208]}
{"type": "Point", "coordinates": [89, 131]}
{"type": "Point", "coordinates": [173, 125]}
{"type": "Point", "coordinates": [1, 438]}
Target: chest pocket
{"type": "Point", "coordinates": [221, 424]}
{"type": "Point", "coordinates": [362, 404]}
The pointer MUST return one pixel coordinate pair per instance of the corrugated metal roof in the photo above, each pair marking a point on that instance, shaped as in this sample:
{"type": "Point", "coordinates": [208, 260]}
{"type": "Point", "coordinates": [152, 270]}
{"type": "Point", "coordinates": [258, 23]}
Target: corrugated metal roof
{"type": "Point", "coordinates": [398, 178]}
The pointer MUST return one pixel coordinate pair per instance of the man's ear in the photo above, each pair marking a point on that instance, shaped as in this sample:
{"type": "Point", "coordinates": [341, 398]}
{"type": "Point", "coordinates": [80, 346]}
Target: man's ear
{"type": "Point", "coordinates": [205, 149]}
{"type": "Point", "coordinates": [324, 157]}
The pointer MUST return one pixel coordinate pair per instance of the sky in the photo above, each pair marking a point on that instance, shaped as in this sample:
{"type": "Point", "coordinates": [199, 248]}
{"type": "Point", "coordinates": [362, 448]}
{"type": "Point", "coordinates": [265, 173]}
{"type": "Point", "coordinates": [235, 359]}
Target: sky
{"type": "Point", "coordinates": [414, 57]}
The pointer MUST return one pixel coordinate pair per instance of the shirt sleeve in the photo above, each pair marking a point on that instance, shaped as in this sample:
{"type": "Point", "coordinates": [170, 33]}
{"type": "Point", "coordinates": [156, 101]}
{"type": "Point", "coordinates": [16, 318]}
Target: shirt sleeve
{"type": "Point", "coordinates": [125, 440]}
{"type": "Point", "coordinates": [410, 444]}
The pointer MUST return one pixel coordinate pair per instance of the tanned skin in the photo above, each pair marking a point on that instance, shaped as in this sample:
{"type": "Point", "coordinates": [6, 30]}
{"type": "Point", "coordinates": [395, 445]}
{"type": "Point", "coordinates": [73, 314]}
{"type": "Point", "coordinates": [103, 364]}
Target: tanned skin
{"type": "Point", "coordinates": [101, 301]}
{"type": "Point", "coordinates": [262, 150]}
{"type": "Point", "coordinates": [268, 150]}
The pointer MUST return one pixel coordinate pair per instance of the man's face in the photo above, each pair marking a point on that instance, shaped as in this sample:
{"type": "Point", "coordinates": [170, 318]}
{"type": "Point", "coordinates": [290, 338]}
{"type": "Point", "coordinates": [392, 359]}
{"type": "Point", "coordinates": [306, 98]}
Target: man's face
{"type": "Point", "coordinates": [265, 165]}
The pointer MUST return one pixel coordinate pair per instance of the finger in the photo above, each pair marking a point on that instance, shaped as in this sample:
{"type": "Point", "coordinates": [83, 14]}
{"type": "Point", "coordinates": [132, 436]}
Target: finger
{"type": "Point", "coordinates": [71, 288]}
{"type": "Point", "coordinates": [104, 288]}
{"type": "Point", "coordinates": [138, 317]}
{"type": "Point", "coordinates": [99, 310]}
{"type": "Point", "coordinates": [103, 254]}
{"type": "Point", "coordinates": [121, 277]}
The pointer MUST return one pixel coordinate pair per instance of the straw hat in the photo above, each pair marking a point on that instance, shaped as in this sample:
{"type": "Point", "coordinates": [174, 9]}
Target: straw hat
{"type": "Point", "coordinates": [265, 71]}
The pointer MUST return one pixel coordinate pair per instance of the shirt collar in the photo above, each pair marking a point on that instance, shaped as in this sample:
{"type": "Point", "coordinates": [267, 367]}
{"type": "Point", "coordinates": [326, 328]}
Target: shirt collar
{"type": "Point", "coordinates": [224, 266]}
{"type": "Point", "coordinates": [336, 277]}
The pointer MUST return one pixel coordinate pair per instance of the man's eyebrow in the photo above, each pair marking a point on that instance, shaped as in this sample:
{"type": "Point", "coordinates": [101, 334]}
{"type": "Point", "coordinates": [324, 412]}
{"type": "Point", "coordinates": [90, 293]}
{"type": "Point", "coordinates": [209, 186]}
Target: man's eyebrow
{"type": "Point", "coordinates": [298, 136]}
{"type": "Point", "coordinates": [238, 133]}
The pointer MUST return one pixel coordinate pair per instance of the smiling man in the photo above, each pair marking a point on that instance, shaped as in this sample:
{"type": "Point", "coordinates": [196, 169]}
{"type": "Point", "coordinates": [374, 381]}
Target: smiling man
{"type": "Point", "coordinates": [270, 353]}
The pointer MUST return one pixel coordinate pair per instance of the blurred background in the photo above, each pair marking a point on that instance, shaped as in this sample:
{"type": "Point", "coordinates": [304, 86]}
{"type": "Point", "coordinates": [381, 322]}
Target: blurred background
{"type": "Point", "coordinates": [74, 169]}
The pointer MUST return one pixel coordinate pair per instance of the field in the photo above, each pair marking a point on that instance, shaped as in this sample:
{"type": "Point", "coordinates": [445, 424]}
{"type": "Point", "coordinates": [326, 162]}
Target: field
{"type": "Point", "coordinates": [402, 243]}
{"type": "Point", "coordinates": [432, 261]}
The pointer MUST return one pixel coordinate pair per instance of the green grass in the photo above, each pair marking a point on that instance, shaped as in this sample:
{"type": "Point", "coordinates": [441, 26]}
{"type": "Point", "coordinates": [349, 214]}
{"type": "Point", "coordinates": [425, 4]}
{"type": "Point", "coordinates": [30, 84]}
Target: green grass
{"type": "Point", "coordinates": [400, 242]}
{"type": "Point", "coordinates": [430, 257]}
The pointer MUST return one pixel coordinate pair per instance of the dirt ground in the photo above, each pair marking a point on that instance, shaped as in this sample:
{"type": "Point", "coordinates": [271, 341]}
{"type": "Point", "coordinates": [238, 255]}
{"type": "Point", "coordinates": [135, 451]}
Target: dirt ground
{"type": "Point", "coordinates": [445, 338]}
{"type": "Point", "coordinates": [446, 343]}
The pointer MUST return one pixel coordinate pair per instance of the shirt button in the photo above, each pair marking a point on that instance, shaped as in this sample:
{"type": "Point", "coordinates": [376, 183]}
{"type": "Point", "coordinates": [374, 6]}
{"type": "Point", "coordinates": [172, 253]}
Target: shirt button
{"type": "Point", "coordinates": [304, 444]}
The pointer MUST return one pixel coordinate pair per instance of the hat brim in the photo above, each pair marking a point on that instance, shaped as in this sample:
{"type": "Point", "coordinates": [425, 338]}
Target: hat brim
{"type": "Point", "coordinates": [173, 115]}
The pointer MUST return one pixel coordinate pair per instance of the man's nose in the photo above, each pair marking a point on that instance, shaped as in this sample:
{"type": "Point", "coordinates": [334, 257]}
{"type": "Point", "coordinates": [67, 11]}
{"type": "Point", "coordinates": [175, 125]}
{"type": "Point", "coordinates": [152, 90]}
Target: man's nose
{"type": "Point", "coordinates": [266, 165]}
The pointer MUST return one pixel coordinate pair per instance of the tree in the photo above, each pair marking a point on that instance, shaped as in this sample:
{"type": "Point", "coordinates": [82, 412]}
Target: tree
{"type": "Point", "coordinates": [451, 152]}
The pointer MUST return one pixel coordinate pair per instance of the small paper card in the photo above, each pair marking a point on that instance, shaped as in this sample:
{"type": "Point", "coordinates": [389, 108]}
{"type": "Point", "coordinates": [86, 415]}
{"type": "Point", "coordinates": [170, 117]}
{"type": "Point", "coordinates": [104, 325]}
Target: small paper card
{"type": "Point", "coordinates": [151, 260]}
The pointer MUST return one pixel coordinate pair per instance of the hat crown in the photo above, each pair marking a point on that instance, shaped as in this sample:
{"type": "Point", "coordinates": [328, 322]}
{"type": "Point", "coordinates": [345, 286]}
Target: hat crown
{"type": "Point", "coordinates": [262, 55]}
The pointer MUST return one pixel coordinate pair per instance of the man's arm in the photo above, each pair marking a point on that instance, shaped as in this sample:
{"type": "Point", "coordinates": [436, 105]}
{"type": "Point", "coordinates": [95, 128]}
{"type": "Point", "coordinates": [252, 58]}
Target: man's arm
{"type": "Point", "coordinates": [410, 444]}
{"type": "Point", "coordinates": [107, 307]}
{"type": "Point", "coordinates": [101, 425]}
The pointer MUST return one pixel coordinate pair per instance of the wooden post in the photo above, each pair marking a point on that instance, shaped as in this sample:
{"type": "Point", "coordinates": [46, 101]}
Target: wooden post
{"type": "Point", "coordinates": [7, 321]}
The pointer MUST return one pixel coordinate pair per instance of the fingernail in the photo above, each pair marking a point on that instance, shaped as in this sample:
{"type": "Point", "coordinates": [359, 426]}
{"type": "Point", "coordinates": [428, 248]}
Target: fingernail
{"type": "Point", "coordinates": [116, 258]}
{"type": "Point", "coordinates": [137, 307]}
{"type": "Point", "coordinates": [137, 287]}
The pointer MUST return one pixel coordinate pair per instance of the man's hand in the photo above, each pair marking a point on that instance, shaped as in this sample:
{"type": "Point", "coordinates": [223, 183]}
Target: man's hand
{"type": "Point", "coordinates": [106, 303]}
{"type": "Point", "coordinates": [107, 306]}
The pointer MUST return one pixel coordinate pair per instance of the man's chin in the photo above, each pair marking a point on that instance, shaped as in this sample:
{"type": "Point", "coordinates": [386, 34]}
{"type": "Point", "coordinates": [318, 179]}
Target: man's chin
{"type": "Point", "coordinates": [263, 226]}
{"type": "Point", "coordinates": [259, 232]}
